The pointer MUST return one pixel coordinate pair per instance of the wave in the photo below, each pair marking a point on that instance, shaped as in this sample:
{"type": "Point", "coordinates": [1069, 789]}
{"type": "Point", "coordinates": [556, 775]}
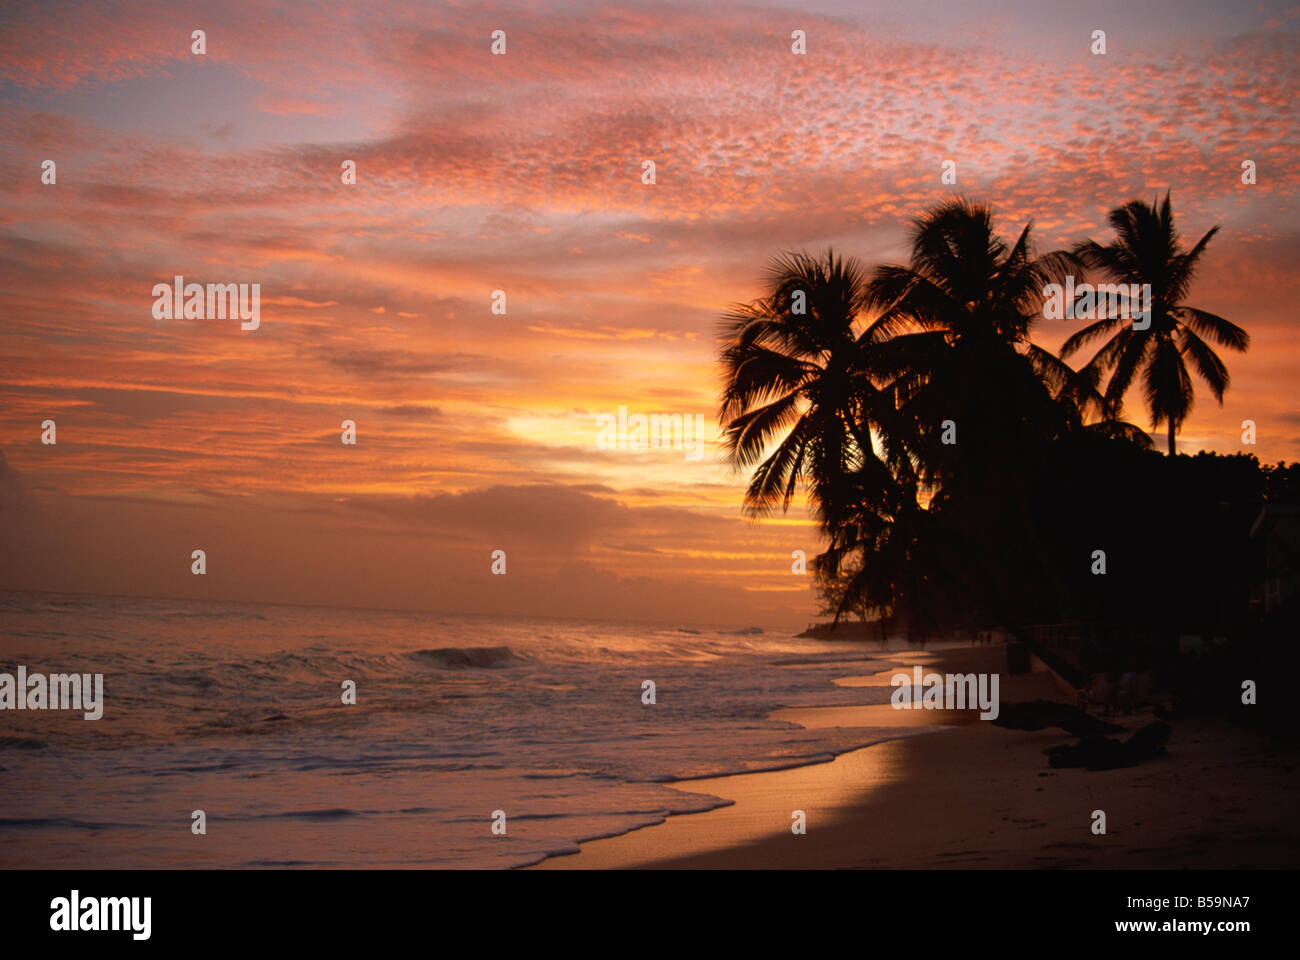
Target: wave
{"type": "Point", "coordinates": [331, 813]}
{"type": "Point", "coordinates": [825, 660]}
{"type": "Point", "coordinates": [40, 823]}
{"type": "Point", "coordinates": [462, 658]}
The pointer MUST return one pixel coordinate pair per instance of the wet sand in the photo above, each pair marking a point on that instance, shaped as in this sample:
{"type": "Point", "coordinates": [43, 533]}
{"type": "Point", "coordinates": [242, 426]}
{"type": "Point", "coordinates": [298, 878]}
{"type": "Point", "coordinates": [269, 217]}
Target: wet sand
{"type": "Point", "coordinates": [961, 792]}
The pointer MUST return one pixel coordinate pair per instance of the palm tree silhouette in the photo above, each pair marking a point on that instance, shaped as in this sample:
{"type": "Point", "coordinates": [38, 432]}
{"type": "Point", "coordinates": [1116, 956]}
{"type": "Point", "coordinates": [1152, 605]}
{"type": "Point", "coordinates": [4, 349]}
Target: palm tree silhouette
{"type": "Point", "coordinates": [793, 376]}
{"type": "Point", "coordinates": [953, 330]}
{"type": "Point", "coordinates": [958, 319]}
{"type": "Point", "coordinates": [843, 381]}
{"type": "Point", "coordinates": [1146, 251]}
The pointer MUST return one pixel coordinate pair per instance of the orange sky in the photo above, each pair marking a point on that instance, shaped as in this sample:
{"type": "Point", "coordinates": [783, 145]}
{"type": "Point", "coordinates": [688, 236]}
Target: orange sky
{"type": "Point", "coordinates": [523, 173]}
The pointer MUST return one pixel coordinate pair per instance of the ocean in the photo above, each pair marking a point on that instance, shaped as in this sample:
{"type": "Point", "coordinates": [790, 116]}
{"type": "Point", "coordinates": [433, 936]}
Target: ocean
{"type": "Point", "coordinates": [236, 710]}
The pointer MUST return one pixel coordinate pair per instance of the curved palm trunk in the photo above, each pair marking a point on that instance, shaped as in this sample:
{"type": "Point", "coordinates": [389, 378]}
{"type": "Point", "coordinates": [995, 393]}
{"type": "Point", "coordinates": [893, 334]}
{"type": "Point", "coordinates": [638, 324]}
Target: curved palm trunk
{"type": "Point", "coordinates": [1171, 436]}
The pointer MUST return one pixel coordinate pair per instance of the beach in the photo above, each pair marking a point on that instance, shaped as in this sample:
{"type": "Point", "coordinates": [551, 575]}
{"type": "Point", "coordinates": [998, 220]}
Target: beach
{"type": "Point", "coordinates": [237, 710]}
{"type": "Point", "coordinates": [234, 710]}
{"type": "Point", "coordinates": [967, 793]}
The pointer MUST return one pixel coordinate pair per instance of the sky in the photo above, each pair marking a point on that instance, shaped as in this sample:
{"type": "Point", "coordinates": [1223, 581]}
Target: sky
{"type": "Point", "coordinates": [477, 431]}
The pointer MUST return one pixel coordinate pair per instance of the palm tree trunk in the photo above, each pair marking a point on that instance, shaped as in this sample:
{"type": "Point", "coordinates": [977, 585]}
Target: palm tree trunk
{"type": "Point", "coordinates": [1171, 436]}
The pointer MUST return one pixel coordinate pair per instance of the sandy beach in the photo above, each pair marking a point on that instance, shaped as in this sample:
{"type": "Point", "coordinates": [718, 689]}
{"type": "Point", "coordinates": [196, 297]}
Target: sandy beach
{"type": "Point", "coordinates": [960, 792]}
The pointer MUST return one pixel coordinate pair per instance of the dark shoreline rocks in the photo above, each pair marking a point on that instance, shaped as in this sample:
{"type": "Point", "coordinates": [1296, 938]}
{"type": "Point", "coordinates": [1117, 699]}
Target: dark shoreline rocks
{"type": "Point", "coordinates": [1105, 753]}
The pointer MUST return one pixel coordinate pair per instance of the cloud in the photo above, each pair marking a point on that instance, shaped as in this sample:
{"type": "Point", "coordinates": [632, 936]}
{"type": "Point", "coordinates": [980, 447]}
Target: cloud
{"type": "Point", "coordinates": [523, 173]}
{"type": "Point", "coordinates": [568, 550]}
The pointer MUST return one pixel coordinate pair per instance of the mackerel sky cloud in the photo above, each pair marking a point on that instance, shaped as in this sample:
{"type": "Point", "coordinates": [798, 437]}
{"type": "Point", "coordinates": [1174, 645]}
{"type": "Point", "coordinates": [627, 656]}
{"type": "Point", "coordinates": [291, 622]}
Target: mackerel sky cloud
{"type": "Point", "coordinates": [523, 173]}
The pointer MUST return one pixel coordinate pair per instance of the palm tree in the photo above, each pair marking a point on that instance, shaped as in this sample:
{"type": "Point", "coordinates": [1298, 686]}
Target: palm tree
{"type": "Point", "coordinates": [1146, 251]}
{"type": "Point", "coordinates": [898, 560]}
{"type": "Point", "coordinates": [794, 382]}
{"type": "Point", "coordinates": [957, 322]}
{"type": "Point", "coordinates": [843, 381]}
{"type": "Point", "coordinates": [953, 330]}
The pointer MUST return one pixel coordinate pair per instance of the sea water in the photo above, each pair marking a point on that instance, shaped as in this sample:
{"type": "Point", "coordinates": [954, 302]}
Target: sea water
{"type": "Point", "coordinates": [236, 710]}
